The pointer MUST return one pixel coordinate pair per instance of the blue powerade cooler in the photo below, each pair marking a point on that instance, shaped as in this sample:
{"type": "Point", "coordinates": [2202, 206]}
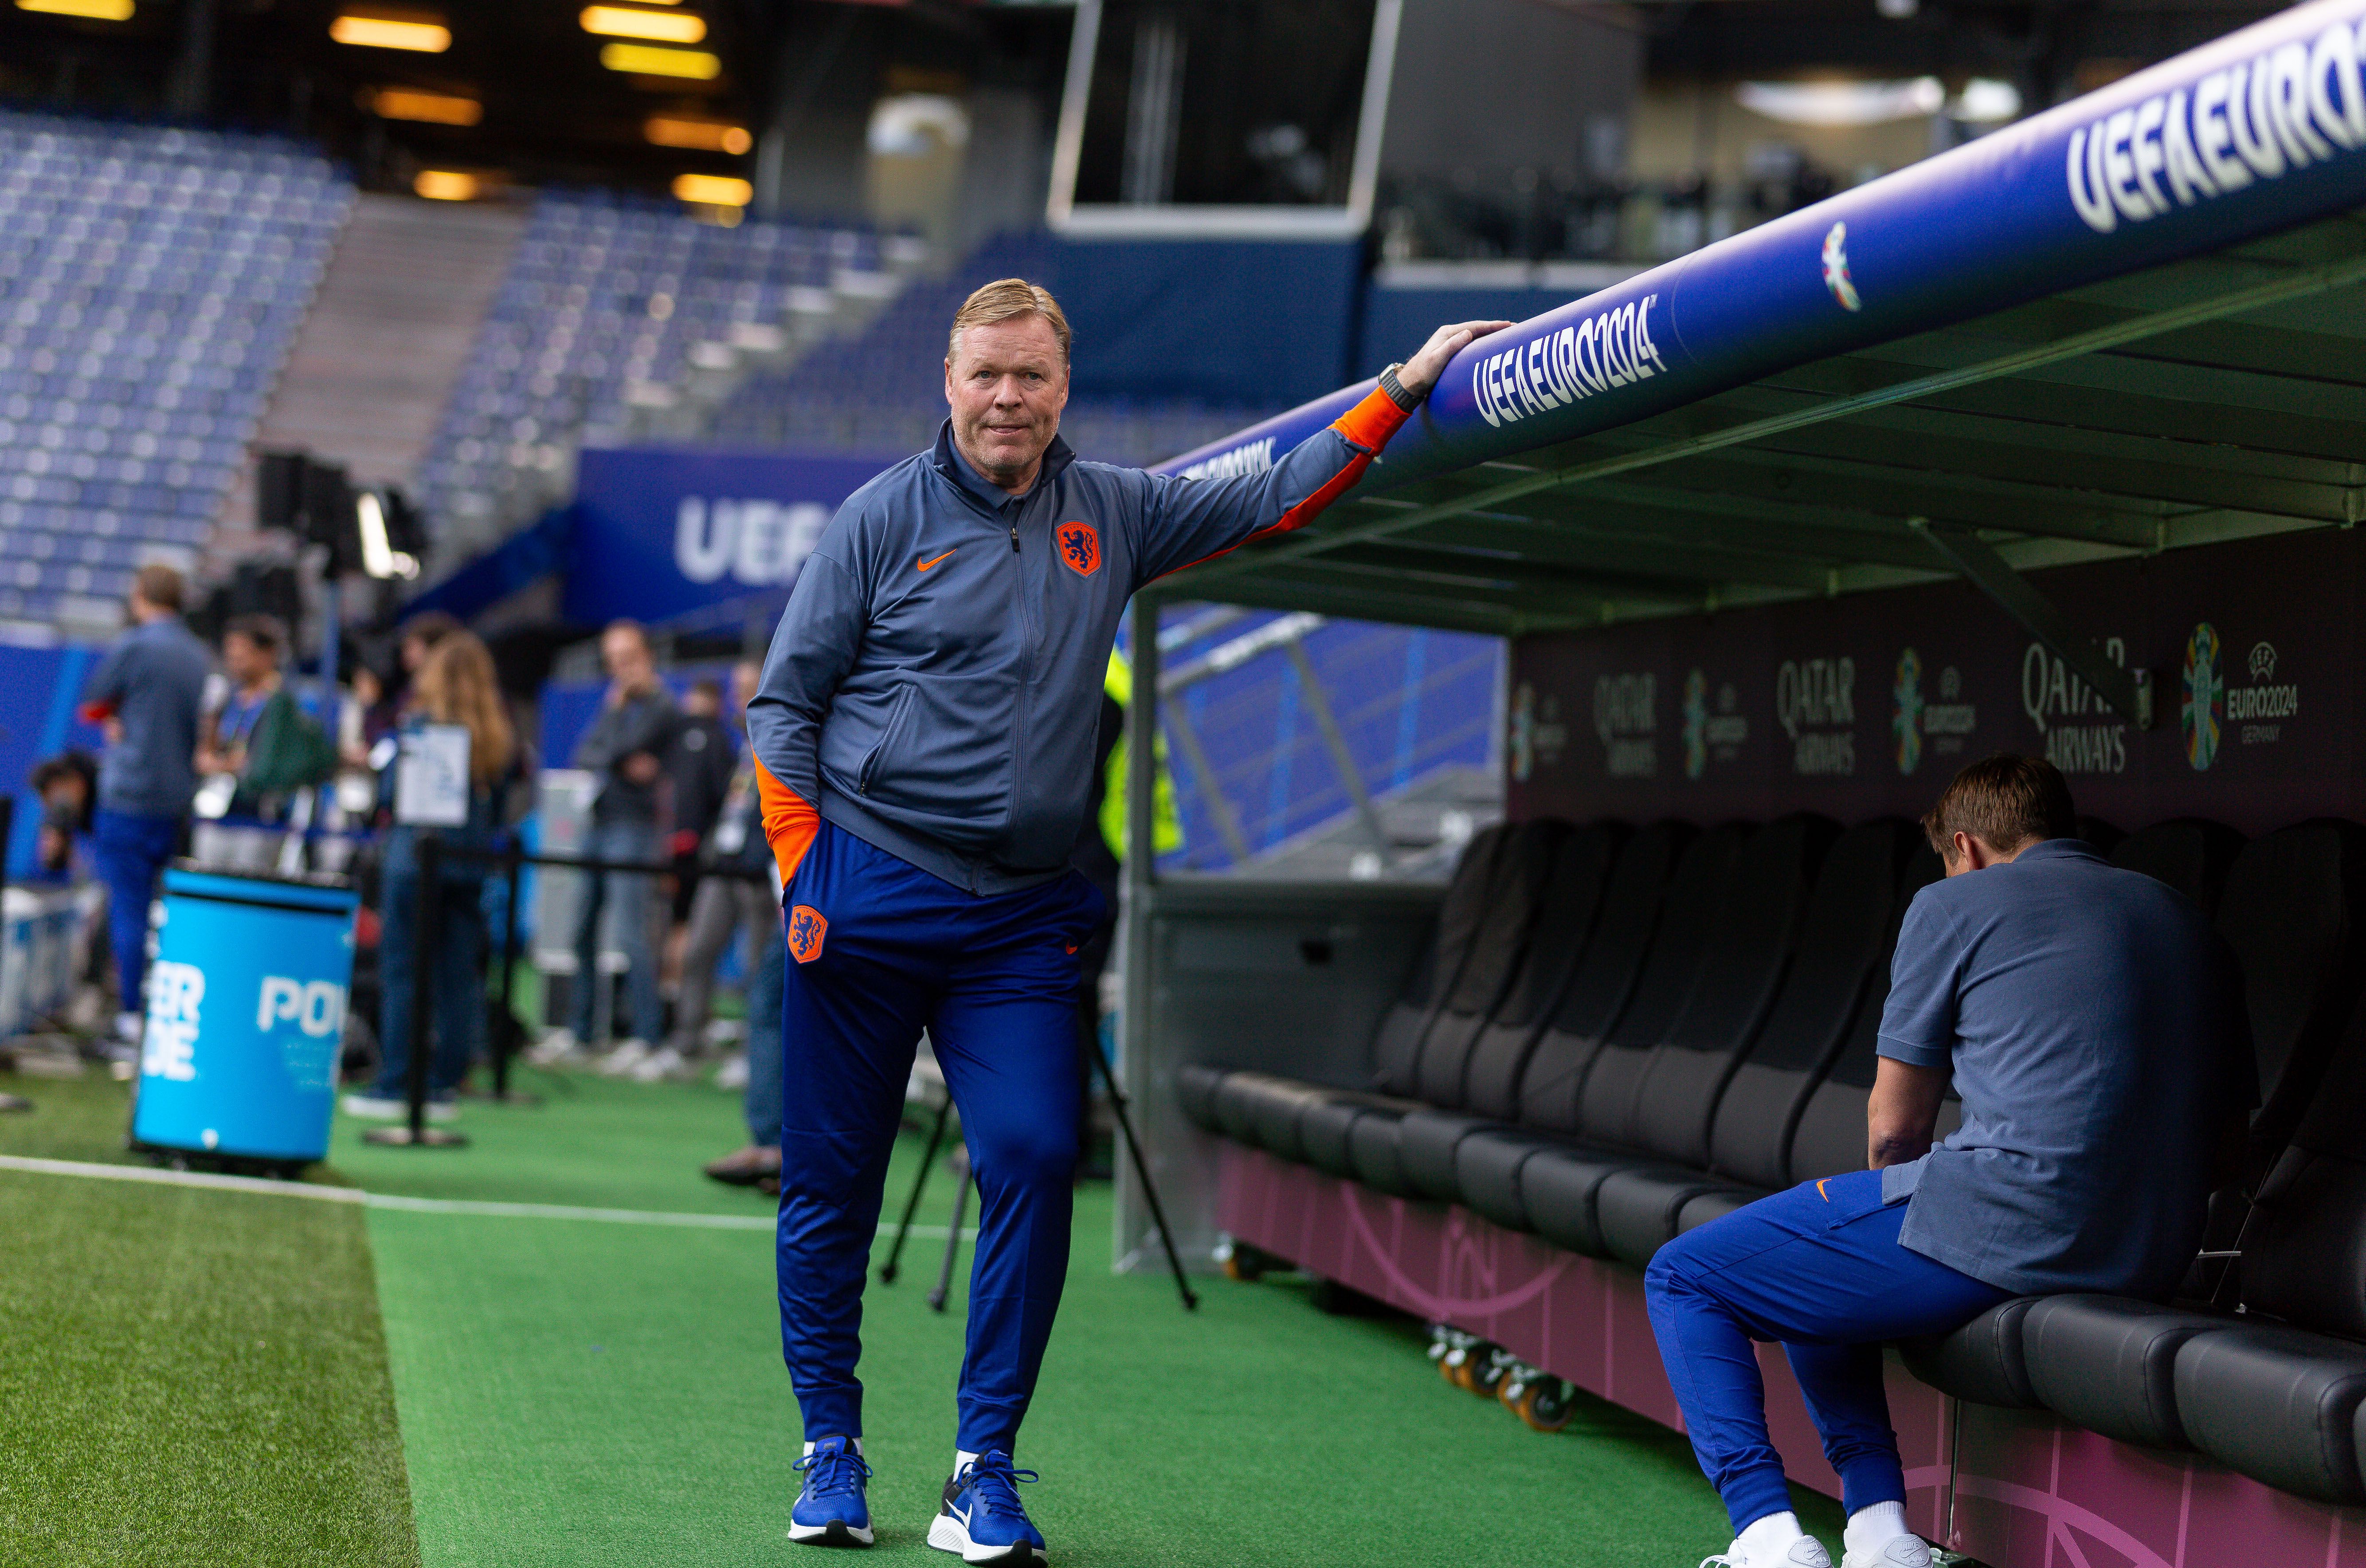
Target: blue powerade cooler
{"type": "Point", "coordinates": [246, 1014]}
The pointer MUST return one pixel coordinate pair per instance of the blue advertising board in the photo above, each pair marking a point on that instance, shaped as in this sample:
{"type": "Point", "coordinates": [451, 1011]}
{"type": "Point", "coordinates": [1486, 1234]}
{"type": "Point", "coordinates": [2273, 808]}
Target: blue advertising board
{"type": "Point", "coordinates": [2262, 130]}
{"type": "Point", "coordinates": [659, 531]}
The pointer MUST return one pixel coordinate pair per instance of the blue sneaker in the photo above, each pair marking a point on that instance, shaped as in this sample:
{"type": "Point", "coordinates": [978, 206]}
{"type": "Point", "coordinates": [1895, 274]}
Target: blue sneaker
{"type": "Point", "coordinates": [830, 1511]}
{"type": "Point", "coordinates": [981, 1519]}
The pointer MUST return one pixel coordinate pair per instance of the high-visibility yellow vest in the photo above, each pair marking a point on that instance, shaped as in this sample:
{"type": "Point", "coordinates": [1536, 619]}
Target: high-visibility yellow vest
{"type": "Point", "coordinates": [1167, 824]}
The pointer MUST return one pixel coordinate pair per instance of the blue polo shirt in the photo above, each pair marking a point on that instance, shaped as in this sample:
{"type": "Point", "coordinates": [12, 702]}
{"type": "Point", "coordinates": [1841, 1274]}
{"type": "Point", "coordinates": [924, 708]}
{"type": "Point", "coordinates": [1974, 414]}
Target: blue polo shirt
{"type": "Point", "coordinates": [2094, 1024]}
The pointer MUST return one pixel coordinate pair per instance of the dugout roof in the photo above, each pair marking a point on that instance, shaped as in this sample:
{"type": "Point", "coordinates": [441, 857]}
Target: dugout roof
{"type": "Point", "coordinates": [2135, 323]}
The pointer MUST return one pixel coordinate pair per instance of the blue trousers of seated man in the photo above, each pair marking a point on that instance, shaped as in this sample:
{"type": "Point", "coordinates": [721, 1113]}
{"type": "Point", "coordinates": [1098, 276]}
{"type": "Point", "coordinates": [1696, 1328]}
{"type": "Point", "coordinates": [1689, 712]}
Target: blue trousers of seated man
{"type": "Point", "coordinates": [883, 949]}
{"type": "Point", "coordinates": [1817, 1269]}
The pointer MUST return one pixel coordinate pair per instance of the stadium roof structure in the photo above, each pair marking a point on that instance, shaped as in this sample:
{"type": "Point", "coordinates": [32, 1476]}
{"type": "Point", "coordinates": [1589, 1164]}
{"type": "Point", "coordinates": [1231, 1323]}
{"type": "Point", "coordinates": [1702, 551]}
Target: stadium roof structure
{"type": "Point", "coordinates": [2135, 323]}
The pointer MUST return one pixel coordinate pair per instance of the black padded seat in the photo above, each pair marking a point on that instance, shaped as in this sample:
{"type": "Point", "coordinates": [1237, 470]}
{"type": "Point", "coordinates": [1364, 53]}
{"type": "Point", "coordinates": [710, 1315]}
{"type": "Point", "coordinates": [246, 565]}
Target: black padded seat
{"type": "Point", "coordinates": [1544, 1091]}
{"type": "Point", "coordinates": [1574, 898]}
{"type": "Point", "coordinates": [1555, 1189]}
{"type": "Point", "coordinates": [1195, 1090]}
{"type": "Point", "coordinates": [1488, 1166]}
{"type": "Point", "coordinates": [1829, 1138]}
{"type": "Point", "coordinates": [1640, 1209]}
{"type": "Point", "coordinates": [2281, 1404]}
{"type": "Point", "coordinates": [1750, 951]}
{"type": "Point", "coordinates": [1683, 955]}
{"type": "Point", "coordinates": [2190, 854]}
{"type": "Point", "coordinates": [1516, 898]}
{"type": "Point", "coordinates": [1715, 1203]}
{"type": "Point", "coordinates": [1396, 1045]}
{"type": "Point", "coordinates": [1981, 1361]}
{"type": "Point", "coordinates": [1326, 1123]}
{"type": "Point", "coordinates": [1263, 1111]}
{"type": "Point", "coordinates": [1681, 1083]}
{"type": "Point", "coordinates": [2110, 1364]}
{"type": "Point", "coordinates": [1844, 945]}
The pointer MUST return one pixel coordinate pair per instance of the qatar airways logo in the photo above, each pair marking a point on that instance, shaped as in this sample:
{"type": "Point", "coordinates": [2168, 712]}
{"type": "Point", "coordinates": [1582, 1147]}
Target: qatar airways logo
{"type": "Point", "coordinates": [2298, 104]}
{"type": "Point", "coordinates": [1598, 354]}
{"type": "Point", "coordinates": [1254, 458]}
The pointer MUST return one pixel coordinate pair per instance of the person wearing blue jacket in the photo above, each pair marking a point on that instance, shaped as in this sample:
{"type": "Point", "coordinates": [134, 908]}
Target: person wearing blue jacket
{"type": "Point", "coordinates": [925, 729]}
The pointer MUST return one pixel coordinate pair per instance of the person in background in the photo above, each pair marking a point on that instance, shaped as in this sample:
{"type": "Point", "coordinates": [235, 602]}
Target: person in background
{"type": "Point", "coordinates": [698, 776]}
{"type": "Point", "coordinates": [418, 639]}
{"type": "Point", "coordinates": [242, 798]}
{"type": "Point", "coordinates": [455, 686]}
{"type": "Point", "coordinates": [625, 747]}
{"type": "Point", "coordinates": [67, 788]}
{"type": "Point", "coordinates": [146, 693]}
{"type": "Point", "coordinates": [726, 905]}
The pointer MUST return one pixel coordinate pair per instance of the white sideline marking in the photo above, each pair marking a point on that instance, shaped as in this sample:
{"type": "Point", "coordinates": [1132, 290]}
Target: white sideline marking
{"type": "Point", "coordinates": [418, 1206]}
{"type": "Point", "coordinates": [181, 1179]}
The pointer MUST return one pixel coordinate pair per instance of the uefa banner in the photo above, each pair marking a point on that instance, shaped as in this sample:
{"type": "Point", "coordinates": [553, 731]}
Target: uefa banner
{"type": "Point", "coordinates": [2258, 133]}
{"type": "Point", "coordinates": [1866, 704]}
{"type": "Point", "coordinates": [661, 532]}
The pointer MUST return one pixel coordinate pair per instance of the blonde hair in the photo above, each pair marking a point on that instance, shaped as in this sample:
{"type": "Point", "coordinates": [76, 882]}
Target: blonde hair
{"type": "Point", "coordinates": [456, 685]}
{"type": "Point", "coordinates": [1005, 299]}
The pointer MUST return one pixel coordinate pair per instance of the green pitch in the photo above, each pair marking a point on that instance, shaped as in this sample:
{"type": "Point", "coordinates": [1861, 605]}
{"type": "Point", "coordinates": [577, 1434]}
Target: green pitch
{"type": "Point", "coordinates": [211, 1384]}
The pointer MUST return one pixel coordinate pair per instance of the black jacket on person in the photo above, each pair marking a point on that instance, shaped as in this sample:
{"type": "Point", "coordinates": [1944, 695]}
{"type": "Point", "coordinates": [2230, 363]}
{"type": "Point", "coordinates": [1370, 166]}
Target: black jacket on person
{"type": "Point", "coordinates": [700, 764]}
{"type": "Point", "coordinates": [640, 723]}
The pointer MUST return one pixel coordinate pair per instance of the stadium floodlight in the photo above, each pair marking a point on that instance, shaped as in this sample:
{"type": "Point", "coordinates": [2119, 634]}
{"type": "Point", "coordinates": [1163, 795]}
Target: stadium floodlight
{"type": "Point", "coordinates": [713, 190]}
{"type": "Point", "coordinates": [428, 109]}
{"type": "Point", "coordinates": [419, 33]}
{"type": "Point", "coordinates": [380, 559]}
{"type": "Point", "coordinates": [1832, 103]}
{"type": "Point", "coordinates": [88, 10]}
{"type": "Point", "coordinates": [447, 184]}
{"type": "Point", "coordinates": [648, 60]}
{"type": "Point", "coordinates": [625, 22]}
{"type": "Point", "coordinates": [699, 135]}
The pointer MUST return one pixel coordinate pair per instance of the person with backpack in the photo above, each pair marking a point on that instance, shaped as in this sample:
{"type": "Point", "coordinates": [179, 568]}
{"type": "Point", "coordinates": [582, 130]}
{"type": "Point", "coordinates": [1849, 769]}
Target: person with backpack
{"type": "Point", "coordinates": [255, 750]}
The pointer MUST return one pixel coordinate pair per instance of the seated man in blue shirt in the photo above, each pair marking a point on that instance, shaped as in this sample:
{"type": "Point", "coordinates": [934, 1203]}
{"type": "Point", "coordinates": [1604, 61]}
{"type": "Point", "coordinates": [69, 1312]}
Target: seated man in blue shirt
{"type": "Point", "coordinates": [2091, 1021]}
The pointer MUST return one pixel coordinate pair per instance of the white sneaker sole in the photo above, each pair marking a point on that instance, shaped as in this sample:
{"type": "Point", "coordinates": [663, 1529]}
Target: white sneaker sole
{"type": "Point", "coordinates": [837, 1532]}
{"type": "Point", "coordinates": [949, 1534]}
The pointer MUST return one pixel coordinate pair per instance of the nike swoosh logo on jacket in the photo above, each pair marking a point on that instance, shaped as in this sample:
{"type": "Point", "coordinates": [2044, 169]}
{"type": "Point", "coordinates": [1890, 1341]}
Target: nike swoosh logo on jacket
{"type": "Point", "coordinates": [948, 718]}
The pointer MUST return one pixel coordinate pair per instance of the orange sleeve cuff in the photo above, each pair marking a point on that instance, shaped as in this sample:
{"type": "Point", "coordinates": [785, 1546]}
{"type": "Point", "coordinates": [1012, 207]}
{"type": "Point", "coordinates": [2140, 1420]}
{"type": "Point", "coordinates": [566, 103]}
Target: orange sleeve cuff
{"type": "Point", "coordinates": [790, 821]}
{"type": "Point", "coordinates": [1370, 422]}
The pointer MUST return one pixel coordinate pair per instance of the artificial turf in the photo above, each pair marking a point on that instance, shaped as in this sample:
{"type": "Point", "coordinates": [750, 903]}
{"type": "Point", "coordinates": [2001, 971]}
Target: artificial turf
{"type": "Point", "coordinates": [193, 1378]}
{"type": "Point", "coordinates": [572, 1392]}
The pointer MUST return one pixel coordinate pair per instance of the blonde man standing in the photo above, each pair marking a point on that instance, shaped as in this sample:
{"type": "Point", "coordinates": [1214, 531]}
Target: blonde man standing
{"type": "Point", "coordinates": [925, 728]}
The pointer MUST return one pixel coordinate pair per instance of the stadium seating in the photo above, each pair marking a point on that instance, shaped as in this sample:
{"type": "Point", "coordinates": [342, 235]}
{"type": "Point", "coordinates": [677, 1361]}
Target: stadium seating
{"type": "Point", "coordinates": [881, 391]}
{"type": "Point", "coordinates": [607, 301]}
{"type": "Point", "coordinates": [150, 282]}
{"type": "Point", "coordinates": [1676, 1022]}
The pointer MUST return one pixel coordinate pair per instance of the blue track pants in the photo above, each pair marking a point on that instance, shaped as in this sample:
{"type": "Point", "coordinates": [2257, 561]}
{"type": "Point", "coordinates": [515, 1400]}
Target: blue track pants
{"type": "Point", "coordinates": [880, 950]}
{"type": "Point", "coordinates": [130, 848]}
{"type": "Point", "coordinates": [1818, 1269]}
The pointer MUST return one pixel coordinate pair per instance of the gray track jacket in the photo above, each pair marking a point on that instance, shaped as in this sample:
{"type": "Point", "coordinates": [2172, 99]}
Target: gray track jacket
{"type": "Point", "coordinates": [934, 687]}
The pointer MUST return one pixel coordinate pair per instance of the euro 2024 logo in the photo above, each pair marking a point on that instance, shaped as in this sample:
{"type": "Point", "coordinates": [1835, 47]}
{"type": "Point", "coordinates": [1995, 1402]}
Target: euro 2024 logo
{"type": "Point", "coordinates": [1905, 710]}
{"type": "Point", "coordinates": [1695, 724]}
{"type": "Point", "coordinates": [2205, 697]}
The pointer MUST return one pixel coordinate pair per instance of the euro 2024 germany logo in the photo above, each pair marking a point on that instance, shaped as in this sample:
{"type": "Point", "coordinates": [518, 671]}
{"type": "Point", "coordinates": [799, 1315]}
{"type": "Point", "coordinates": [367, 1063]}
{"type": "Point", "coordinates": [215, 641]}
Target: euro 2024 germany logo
{"type": "Point", "coordinates": [1905, 710]}
{"type": "Point", "coordinates": [1695, 724]}
{"type": "Point", "coordinates": [2205, 706]}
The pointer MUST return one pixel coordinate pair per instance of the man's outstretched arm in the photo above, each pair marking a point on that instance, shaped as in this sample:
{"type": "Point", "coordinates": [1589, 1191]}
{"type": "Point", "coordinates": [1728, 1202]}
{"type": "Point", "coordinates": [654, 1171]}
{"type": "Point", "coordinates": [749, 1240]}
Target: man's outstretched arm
{"type": "Point", "coordinates": [1188, 520]}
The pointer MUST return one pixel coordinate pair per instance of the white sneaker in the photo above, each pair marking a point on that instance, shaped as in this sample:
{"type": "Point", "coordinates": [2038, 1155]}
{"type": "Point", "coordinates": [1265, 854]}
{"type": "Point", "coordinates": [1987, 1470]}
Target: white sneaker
{"type": "Point", "coordinates": [1898, 1551]}
{"type": "Point", "coordinates": [732, 1076]}
{"type": "Point", "coordinates": [379, 1108]}
{"type": "Point", "coordinates": [623, 1059]}
{"type": "Point", "coordinates": [660, 1066]}
{"type": "Point", "coordinates": [1806, 1552]}
{"type": "Point", "coordinates": [555, 1048]}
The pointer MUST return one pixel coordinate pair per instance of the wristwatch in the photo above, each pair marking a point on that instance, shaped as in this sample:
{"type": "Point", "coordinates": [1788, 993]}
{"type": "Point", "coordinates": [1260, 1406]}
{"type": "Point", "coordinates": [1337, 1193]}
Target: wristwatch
{"type": "Point", "coordinates": [1396, 389]}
